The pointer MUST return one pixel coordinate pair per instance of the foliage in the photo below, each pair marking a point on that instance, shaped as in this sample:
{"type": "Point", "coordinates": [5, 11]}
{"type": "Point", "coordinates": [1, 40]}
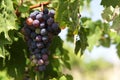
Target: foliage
{"type": "Point", "coordinates": [14, 54]}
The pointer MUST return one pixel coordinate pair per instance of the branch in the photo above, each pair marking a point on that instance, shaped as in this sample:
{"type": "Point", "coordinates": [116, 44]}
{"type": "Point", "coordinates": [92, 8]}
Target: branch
{"type": "Point", "coordinates": [39, 5]}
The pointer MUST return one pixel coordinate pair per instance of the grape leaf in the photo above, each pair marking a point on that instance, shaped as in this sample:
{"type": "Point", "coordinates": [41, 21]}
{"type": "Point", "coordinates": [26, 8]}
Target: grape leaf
{"type": "Point", "coordinates": [118, 49]}
{"type": "Point", "coordinates": [82, 43]}
{"type": "Point", "coordinates": [63, 78]}
{"type": "Point", "coordinates": [23, 9]}
{"type": "Point", "coordinates": [108, 3]}
{"type": "Point", "coordinates": [7, 17]}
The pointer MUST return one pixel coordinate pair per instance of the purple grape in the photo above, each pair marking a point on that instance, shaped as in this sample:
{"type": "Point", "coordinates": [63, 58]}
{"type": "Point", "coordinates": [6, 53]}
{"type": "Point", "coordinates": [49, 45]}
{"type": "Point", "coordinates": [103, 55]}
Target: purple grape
{"type": "Point", "coordinates": [38, 38]}
{"type": "Point", "coordinates": [42, 25]}
{"type": "Point", "coordinates": [43, 31]}
{"type": "Point", "coordinates": [55, 26]}
{"type": "Point", "coordinates": [37, 51]}
{"type": "Point", "coordinates": [44, 51]}
{"type": "Point", "coordinates": [45, 57]}
{"type": "Point", "coordinates": [51, 13]}
{"type": "Point", "coordinates": [40, 62]}
{"type": "Point", "coordinates": [36, 12]}
{"type": "Point", "coordinates": [45, 39]}
{"type": "Point", "coordinates": [40, 45]}
{"type": "Point", "coordinates": [33, 35]}
{"type": "Point", "coordinates": [27, 31]}
{"type": "Point", "coordinates": [50, 21]}
{"type": "Point", "coordinates": [49, 29]}
{"type": "Point", "coordinates": [39, 17]}
{"type": "Point", "coordinates": [32, 15]}
{"type": "Point", "coordinates": [36, 23]}
{"type": "Point", "coordinates": [37, 56]}
{"type": "Point", "coordinates": [56, 29]}
{"type": "Point", "coordinates": [39, 29]}
{"type": "Point", "coordinates": [46, 17]}
{"type": "Point", "coordinates": [33, 45]}
{"type": "Point", "coordinates": [45, 11]}
{"type": "Point", "coordinates": [42, 68]}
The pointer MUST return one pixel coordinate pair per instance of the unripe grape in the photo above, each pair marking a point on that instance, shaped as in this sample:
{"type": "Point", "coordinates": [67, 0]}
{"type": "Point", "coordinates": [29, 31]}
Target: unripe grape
{"type": "Point", "coordinates": [29, 21]}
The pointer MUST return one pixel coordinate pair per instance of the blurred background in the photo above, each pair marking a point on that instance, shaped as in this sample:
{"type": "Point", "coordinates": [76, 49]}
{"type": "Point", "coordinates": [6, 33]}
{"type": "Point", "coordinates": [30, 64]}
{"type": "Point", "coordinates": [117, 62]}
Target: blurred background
{"type": "Point", "coordinates": [99, 64]}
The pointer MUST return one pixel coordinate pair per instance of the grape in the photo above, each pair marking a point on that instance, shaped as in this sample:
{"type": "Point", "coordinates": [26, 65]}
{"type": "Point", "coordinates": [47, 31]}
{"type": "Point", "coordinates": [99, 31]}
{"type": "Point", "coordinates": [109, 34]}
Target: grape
{"type": "Point", "coordinates": [33, 35]}
{"type": "Point", "coordinates": [38, 38]}
{"type": "Point", "coordinates": [36, 23]}
{"type": "Point", "coordinates": [51, 13]}
{"type": "Point", "coordinates": [37, 56]}
{"type": "Point", "coordinates": [28, 31]}
{"type": "Point", "coordinates": [45, 39]}
{"type": "Point", "coordinates": [49, 29]}
{"type": "Point", "coordinates": [43, 31]}
{"type": "Point", "coordinates": [41, 68]}
{"type": "Point", "coordinates": [33, 45]}
{"type": "Point", "coordinates": [32, 15]}
{"type": "Point", "coordinates": [45, 57]}
{"type": "Point", "coordinates": [39, 30]}
{"type": "Point", "coordinates": [40, 62]}
{"type": "Point", "coordinates": [45, 11]}
{"type": "Point", "coordinates": [46, 17]}
{"type": "Point", "coordinates": [29, 21]}
{"type": "Point", "coordinates": [37, 51]}
{"type": "Point", "coordinates": [40, 45]}
{"type": "Point", "coordinates": [42, 25]}
{"type": "Point", "coordinates": [44, 51]}
{"type": "Point", "coordinates": [56, 28]}
{"type": "Point", "coordinates": [39, 17]}
{"type": "Point", "coordinates": [50, 21]}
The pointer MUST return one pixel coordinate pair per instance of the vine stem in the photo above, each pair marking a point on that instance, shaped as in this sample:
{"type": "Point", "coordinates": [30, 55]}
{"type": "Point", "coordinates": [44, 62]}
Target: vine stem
{"type": "Point", "coordinates": [39, 5]}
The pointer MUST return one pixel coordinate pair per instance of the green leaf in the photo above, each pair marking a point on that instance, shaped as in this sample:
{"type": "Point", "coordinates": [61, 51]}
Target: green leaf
{"type": "Point", "coordinates": [63, 78]}
{"type": "Point", "coordinates": [77, 46]}
{"type": "Point", "coordinates": [82, 43]}
{"type": "Point", "coordinates": [23, 9]}
{"type": "Point", "coordinates": [108, 3]}
{"type": "Point", "coordinates": [7, 17]}
{"type": "Point", "coordinates": [116, 24]}
{"type": "Point", "coordinates": [16, 63]}
{"type": "Point", "coordinates": [118, 49]}
{"type": "Point", "coordinates": [69, 77]}
{"type": "Point", "coordinates": [93, 38]}
{"type": "Point", "coordinates": [108, 13]}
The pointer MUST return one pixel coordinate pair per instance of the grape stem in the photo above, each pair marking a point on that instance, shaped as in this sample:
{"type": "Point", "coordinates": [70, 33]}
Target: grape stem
{"type": "Point", "coordinates": [39, 5]}
{"type": "Point", "coordinates": [31, 7]}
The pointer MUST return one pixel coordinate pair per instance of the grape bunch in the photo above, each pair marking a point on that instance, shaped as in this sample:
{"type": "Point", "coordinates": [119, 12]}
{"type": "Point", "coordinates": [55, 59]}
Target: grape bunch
{"type": "Point", "coordinates": [39, 30]}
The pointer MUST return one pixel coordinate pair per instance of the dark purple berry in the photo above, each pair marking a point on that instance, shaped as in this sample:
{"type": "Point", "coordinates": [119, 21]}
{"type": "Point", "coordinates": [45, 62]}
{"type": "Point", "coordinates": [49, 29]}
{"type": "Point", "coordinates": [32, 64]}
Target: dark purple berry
{"type": "Point", "coordinates": [45, 11]}
{"type": "Point", "coordinates": [38, 38]}
{"type": "Point", "coordinates": [44, 51]}
{"type": "Point", "coordinates": [40, 62]}
{"type": "Point", "coordinates": [36, 23]}
{"type": "Point", "coordinates": [41, 68]}
{"type": "Point", "coordinates": [45, 57]}
{"type": "Point", "coordinates": [33, 35]}
{"type": "Point", "coordinates": [40, 45]}
{"type": "Point", "coordinates": [50, 21]}
{"type": "Point", "coordinates": [42, 25]}
{"type": "Point", "coordinates": [43, 31]}
{"type": "Point", "coordinates": [45, 39]}
{"type": "Point", "coordinates": [51, 13]}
